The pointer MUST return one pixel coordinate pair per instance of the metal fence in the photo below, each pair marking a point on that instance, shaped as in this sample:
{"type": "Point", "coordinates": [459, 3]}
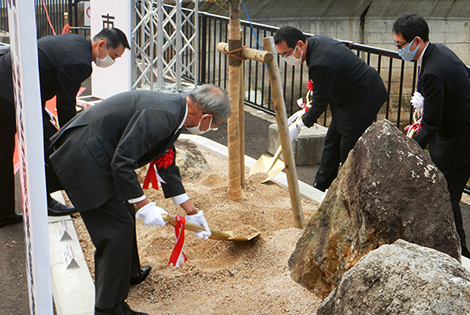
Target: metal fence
{"type": "Point", "coordinates": [49, 11]}
{"type": "Point", "coordinates": [55, 12]}
{"type": "Point", "coordinates": [399, 76]}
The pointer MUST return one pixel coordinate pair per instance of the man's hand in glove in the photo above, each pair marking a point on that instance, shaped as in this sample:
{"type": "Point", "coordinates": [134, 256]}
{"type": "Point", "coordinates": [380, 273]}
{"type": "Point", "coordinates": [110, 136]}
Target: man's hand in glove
{"type": "Point", "coordinates": [294, 129]}
{"type": "Point", "coordinates": [199, 219]}
{"type": "Point", "coordinates": [151, 214]}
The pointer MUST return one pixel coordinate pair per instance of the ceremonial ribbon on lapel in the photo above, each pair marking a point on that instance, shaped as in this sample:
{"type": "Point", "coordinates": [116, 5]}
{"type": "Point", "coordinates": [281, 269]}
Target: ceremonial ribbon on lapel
{"type": "Point", "coordinates": [161, 162]}
{"type": "Point", "coordinates": [177, 256]}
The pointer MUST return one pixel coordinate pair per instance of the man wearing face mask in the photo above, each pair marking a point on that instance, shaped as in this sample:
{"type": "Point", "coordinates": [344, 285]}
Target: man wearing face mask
{"type": "Point", "coordinates": [354, 91]}
{"type": "Point", "coordinates": [444, 83]}
{"type": "Point", "coordinates": [95, 157]}
{"type": "Point", "coordinates": [65, 61]}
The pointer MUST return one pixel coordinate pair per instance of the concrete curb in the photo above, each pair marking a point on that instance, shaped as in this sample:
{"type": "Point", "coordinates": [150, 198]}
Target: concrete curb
{"type": "Point", "coordinates": [72, 288]}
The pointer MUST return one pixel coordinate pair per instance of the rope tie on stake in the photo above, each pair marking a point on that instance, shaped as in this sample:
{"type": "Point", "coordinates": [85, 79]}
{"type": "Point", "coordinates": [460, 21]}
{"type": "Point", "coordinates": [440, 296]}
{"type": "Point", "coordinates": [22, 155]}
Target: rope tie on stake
{"type": "Point", "coordinates": [232, 53]}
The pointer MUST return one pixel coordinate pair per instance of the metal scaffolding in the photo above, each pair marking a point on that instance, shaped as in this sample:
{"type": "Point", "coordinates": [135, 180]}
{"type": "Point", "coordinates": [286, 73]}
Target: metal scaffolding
{"type": "Point", "coordinates": [165, 45]}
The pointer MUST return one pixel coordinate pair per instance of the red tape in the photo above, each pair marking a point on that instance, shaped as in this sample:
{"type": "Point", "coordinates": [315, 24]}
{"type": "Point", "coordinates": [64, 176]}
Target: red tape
{"type": "Point", "coordinates": [416, 126]}
{"type": "Point", "coordinates": [177, 256]}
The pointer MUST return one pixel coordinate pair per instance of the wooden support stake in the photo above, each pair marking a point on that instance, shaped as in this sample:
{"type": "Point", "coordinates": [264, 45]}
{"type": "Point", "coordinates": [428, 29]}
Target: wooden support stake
{"type": "Point", "coordinates": [249, 53]}
{"type": "Point", "coordinates": [281, 118]}
{"type": "Point", "coordinates": [241, 116]}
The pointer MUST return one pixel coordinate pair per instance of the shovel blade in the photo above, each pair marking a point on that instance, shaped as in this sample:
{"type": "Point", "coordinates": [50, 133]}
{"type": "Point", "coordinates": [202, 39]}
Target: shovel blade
{"type": "Point", "coordinates": [262, 165]}
{"type": "Point", "coordinates": [276, 169]}
{"type": "Point", "coordinates": [245, 238]}
{"type": "Point", "coordinates": [216, 234]}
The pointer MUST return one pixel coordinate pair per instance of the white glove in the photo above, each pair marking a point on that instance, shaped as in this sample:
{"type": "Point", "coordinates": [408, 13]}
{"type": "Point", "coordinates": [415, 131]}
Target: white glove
{"type": "Point", "coordinates": [199, 219]}
{"type": "Point", "coordinates": [294, 129]}
{"type": "Point", "coordinates": [151, 214]}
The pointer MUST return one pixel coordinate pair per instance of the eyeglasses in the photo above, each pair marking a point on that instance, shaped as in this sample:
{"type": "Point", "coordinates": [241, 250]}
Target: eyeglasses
{"type": "Point", "coordinates": [399, 46]}
{"type": "Point", "coordinates": [286, 54]}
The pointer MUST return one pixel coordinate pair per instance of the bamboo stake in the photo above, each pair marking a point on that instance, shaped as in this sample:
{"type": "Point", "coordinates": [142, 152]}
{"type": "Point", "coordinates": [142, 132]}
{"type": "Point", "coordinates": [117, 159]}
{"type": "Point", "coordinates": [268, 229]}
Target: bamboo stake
{"type": "Point", "coordinates": [241, 116]}
{"type": "Point", "coordinates": [233, 132]}
{"type": "Point", "coordinates": [281, 118]}
{"type": "Point", "coordinates": [249, 53]}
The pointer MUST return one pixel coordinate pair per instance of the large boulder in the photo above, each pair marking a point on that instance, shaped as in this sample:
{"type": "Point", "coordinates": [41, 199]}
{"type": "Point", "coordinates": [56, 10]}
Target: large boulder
{"type": "Point", "coordinates": [388, 189]}
{"type": "Point", "coordinates": [402, 278]}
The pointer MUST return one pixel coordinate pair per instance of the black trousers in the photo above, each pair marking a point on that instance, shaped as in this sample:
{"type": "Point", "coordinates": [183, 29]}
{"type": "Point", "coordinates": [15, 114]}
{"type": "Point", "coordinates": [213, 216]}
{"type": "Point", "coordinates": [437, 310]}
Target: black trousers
{"type": "Point", "coordinates": [7, 149]}
{"type": "Point", "coordinates": [335, 152]}
{"type": "Point", "coordinates": [456, 181]}
{"type": "Point", "coordinates": [52, 182]}
{"type": "Point", "coordinates": [112, 231]}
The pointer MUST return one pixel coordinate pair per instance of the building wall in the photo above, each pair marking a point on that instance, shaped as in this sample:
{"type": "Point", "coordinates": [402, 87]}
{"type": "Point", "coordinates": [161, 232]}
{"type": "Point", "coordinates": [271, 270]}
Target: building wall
{"type": "Point", "coordinates": [448, 19]}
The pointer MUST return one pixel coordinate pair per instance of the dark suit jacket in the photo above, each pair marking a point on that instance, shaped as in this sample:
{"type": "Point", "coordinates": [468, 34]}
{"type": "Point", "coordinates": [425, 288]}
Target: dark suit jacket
{"type": "Point", "coordinates": [354, 90]}
{"type": "Point", "coordinates": [96, 153]}
{"type": "Point", "coordinates": [64, 63]}
{"type": "Point", "coordinates": [444, 83]}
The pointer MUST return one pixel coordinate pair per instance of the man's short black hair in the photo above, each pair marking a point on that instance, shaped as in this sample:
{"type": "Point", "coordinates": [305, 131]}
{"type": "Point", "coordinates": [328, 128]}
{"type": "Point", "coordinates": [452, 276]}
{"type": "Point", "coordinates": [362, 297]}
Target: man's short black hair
{"type": "Point", "coordinates": [290, 35]}
{"type": "Point", "coordinates": [113, 37]}
{"type": "Point", "coordinates": [410, 25]}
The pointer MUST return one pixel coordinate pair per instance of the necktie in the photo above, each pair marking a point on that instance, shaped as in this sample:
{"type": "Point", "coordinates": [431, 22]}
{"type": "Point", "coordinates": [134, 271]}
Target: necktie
{"type": "Point", "coordinates": [419, 76]}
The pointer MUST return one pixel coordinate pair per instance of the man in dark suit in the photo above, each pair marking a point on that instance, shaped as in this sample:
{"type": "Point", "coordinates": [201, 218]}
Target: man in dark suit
{"type": "Point", "coordinates": [444, 83]}
{"type": "Point", "coordinates": [354, 90]}
{"type": "Point", "coordinates": [65, 61]}
{"type": "Point", "coordinates": [95, 156]}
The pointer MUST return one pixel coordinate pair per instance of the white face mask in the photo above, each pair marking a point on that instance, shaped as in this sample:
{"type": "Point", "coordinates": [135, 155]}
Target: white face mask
{"type": "Point", "coordinates": [197, 131]}
{"type": "Point", "coordinates": [292, 60]}
{"type": "Point", "coordinates": [106, 61]}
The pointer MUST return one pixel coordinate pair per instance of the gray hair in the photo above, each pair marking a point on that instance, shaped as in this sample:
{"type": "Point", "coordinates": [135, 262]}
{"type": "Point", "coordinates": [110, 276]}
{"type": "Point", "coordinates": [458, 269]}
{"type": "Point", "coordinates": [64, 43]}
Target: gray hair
{"type": "Point", "coordinates": [211, 99]}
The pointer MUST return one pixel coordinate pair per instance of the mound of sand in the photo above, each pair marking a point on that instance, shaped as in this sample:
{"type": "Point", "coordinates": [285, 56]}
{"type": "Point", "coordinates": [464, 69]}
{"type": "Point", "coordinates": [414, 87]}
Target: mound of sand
{"type": "Point", "coordinates": [221, 277]}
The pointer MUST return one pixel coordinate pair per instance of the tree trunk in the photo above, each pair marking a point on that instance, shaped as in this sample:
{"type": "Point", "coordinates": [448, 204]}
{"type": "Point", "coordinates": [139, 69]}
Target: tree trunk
{"type": "Point", "coordinates": [233, 131]}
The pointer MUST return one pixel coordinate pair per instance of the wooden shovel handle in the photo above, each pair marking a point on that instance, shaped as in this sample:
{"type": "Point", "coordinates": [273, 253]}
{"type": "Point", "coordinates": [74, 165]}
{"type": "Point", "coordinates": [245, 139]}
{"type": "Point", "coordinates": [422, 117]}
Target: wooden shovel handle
{"type": "Point", "coordinates": [279, 150]}
{"type": "Point", "coordinates": [215, 234]}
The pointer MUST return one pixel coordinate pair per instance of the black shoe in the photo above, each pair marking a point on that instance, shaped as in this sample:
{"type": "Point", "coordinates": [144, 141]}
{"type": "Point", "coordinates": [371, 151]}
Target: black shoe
{"type": "Point", "coordinates": [319, 187]}
{"type": "Point", "coordinates": [55, 208]}
{"type": "Point", "coordinates": [465, 252]}
{"type": "Point", "coordinates": [141, 275]}
{"type": "Point", "coordinates": [11, 219]}
{"type": "Point", "coordinates": [121, 309]}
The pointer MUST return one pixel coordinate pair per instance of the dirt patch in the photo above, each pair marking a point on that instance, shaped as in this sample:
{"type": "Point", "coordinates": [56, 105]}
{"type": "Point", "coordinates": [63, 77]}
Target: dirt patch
{"type": "Point", "coordinates": [221, 277]}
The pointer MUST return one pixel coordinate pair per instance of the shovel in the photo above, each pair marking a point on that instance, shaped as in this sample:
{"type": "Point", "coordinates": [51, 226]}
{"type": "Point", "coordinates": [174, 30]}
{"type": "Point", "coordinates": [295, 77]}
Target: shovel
{"type": "Point", "coordinates": [216, 234]}
{"type": "Point", "coordinates": [273, 165]}
{"type": "Point", "coordinates": [270, 165]}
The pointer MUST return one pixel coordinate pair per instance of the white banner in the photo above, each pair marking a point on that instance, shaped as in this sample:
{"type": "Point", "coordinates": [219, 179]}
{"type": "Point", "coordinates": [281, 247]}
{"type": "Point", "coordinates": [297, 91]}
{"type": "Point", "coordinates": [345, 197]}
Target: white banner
{"type": "Point", "coordinates": [117, 78]}
{"type": "Point", "coordinates": [86, 12]}
{"type": "Point", "coordinates": [22, 24]}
